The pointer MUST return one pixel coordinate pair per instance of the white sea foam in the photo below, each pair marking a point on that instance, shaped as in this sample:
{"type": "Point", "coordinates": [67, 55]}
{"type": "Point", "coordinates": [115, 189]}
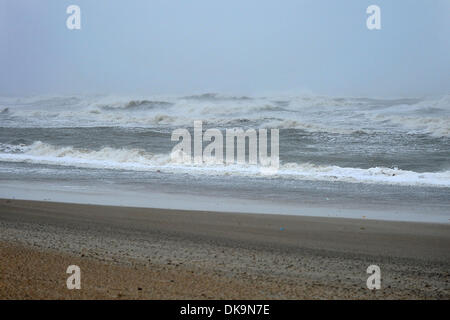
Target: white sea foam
{"type": "Point", "coordinates": [310, 113]}
{"type": "Point", "coordinates": [141, 160]}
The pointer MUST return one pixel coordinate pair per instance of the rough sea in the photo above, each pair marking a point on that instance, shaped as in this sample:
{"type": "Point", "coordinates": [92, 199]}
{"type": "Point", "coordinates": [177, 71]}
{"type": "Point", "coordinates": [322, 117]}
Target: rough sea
{"type": "Point", "coordinates": [337, 152]}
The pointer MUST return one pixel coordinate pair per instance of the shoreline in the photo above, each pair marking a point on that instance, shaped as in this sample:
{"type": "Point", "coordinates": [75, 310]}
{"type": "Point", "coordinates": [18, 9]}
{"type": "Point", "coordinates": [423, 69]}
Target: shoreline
{"type": "Point", "coordinates": [102, 195]}
{"type": "Point", "coordinates": [232, 255]}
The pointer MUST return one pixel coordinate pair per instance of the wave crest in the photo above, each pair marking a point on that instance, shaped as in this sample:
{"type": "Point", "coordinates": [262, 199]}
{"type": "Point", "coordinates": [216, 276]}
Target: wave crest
{"type": "Point", "coordinates": [310, 113]}
{"type": "Point", "coordinates": [141, 160]}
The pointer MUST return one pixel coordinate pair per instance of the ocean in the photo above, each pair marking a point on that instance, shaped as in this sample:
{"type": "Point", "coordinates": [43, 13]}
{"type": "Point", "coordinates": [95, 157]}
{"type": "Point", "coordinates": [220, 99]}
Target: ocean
{"type": "Point", "coordinates": [382, 155]}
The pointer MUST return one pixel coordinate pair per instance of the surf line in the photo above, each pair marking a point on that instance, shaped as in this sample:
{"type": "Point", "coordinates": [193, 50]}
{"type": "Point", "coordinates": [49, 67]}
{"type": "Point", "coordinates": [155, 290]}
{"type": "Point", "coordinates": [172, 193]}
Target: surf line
{"type": "Point", "coordinates": [235, 138]}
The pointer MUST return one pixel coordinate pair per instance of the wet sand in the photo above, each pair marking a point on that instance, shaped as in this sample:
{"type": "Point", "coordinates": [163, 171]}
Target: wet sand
{"type": "Point", "coordinates": [144, 253]}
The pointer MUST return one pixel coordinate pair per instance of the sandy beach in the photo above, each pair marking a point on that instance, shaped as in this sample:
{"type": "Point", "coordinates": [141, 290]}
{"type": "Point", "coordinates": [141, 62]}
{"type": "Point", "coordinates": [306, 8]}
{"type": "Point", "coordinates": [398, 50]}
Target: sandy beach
{"type": "Point", "coordinates": [139, 253]}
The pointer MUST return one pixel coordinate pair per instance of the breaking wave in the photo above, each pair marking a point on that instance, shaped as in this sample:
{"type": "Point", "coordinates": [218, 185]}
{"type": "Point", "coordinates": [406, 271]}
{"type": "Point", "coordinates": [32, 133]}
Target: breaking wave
{"type": "Point", "coordinates": [141, 160]}
{"type": "Point", "coordinates": [310, 113]}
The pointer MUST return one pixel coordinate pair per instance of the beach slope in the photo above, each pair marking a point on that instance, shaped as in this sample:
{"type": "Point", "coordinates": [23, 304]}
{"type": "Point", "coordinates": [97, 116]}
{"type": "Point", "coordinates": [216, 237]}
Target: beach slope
{"type": "Point", "coordinates": [143, 253]}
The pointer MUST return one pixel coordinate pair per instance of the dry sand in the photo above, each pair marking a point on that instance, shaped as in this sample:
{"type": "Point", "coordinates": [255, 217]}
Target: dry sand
{"type": "Point", "coordinates": [139, 253]}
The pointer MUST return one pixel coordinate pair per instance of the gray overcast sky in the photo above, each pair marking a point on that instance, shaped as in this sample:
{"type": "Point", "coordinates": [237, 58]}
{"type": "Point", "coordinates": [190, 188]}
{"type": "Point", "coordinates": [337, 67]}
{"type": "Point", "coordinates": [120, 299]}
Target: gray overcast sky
{"type": "Point", "coordinates": [240, 46]}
